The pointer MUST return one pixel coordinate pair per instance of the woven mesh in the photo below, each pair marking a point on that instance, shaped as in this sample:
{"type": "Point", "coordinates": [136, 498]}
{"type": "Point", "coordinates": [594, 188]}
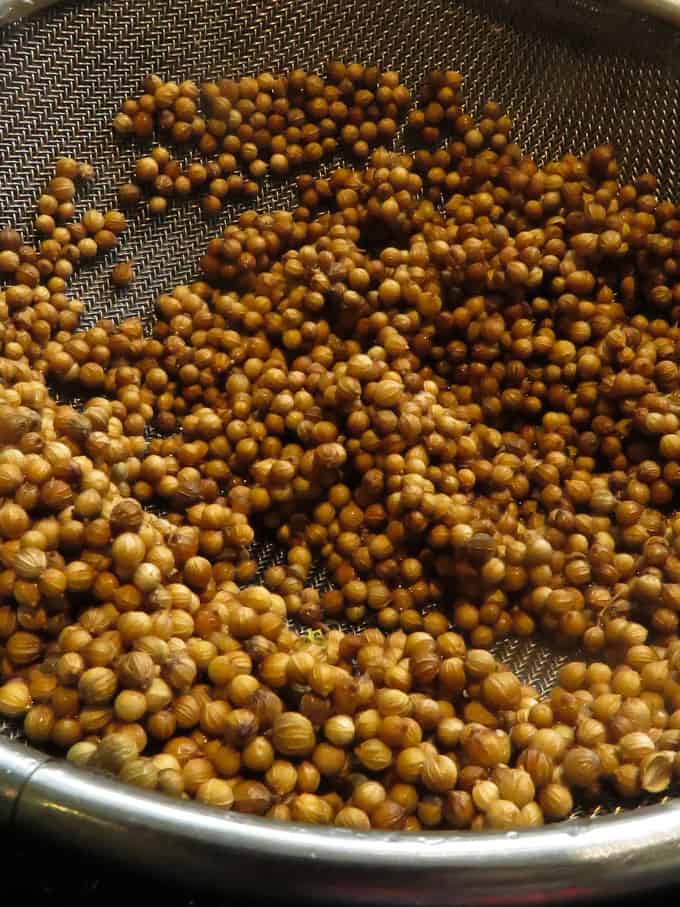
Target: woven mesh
{"type": "Point", "coordinates": [571, 74]}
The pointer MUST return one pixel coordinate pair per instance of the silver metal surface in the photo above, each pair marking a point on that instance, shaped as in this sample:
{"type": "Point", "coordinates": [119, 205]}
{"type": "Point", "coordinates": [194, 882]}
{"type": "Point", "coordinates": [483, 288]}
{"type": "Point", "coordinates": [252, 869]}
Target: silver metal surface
{"type": "Point", "coordinates": [661, 9]}
{"type": "Point", "coordinates": [576, 860]}
{"type": "Point", "coordinates": [17, 765]}
{"type": "Point", "coordinates": [571, 73]}
{"type": "Point", "coordinates": [13, 10]}
{"type": "Point", "coordinates": [669, 10]}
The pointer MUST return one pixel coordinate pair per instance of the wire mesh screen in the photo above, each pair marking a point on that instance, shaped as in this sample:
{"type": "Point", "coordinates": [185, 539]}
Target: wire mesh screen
{"type": "Point", "coordinates": [571, 75]}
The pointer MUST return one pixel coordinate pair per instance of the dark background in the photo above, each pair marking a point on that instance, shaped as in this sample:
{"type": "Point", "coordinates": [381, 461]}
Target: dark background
{"type": "Point", "coordinates": [37, 874]}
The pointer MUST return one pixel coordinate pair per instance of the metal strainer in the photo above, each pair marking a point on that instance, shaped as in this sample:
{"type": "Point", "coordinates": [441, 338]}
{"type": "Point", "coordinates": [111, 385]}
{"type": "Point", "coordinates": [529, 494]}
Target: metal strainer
{"type": "Point", "coordinates": [571, 73]}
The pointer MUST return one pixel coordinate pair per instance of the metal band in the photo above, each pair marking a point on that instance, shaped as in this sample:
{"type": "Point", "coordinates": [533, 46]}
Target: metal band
{"type": "Point", "coordinates": [573, 861]}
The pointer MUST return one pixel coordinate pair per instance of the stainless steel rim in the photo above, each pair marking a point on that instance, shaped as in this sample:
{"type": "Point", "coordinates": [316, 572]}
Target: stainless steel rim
{"type": "Point", "coordinates": [667, 10]}
{"type": "Point", "coordinates": [575, 861]}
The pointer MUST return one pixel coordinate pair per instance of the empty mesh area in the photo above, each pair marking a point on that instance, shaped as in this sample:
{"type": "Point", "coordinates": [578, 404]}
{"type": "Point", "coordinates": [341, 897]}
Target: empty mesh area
{"type": "Point", "coordinates": [571, 75]}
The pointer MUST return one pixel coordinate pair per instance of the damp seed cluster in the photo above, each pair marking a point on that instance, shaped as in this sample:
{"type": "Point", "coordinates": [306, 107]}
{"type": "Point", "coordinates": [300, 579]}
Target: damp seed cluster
{"type": "Point", "coordinates": [448, 377]}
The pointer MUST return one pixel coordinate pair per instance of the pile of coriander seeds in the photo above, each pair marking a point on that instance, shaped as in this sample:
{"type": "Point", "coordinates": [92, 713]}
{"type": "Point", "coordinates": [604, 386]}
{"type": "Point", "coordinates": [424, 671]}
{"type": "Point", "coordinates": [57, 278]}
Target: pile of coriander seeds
{"type": "Point", "coordinates": [449, 376]}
